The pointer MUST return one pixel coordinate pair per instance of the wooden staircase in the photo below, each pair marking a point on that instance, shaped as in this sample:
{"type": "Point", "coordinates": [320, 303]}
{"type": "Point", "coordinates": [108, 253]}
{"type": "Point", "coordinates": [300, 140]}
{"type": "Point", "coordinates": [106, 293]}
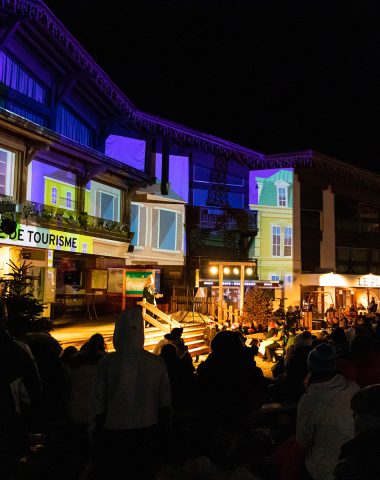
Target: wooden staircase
{"type": "Point", "coordinates": [192, 336]}
{"type": "Point", "coordinates": [161, 323]}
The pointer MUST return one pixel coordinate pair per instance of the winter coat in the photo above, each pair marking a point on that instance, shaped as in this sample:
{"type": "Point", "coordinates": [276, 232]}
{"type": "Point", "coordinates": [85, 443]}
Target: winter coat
{"type": "Point", "coordinates": [131, 384]}
{"type": "Point", "coordinates": [324, 423]}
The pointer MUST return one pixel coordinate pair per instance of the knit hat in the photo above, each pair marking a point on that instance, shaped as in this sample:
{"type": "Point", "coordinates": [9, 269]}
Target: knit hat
{"type": "Point", "coordinates": [175, 334]}
{"type": "Point", "coordinates": [303, 339]}
{"type": "Point", "coordinates": [321, 360]}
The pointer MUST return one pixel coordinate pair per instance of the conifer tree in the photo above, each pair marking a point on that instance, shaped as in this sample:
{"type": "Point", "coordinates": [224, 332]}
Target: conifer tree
{"type": "Point", "coordinates": [24, 309]}
{"type": "Point", "coordinates": [258, 307]}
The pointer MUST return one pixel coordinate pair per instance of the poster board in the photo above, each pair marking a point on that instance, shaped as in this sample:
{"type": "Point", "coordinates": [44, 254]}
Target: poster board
{"type": "Point", "coordinates": [115, 280]}
{"type": "Point", "coordinates": [135, 281]}
{"type": "Point", "coordinates": [99, 279]}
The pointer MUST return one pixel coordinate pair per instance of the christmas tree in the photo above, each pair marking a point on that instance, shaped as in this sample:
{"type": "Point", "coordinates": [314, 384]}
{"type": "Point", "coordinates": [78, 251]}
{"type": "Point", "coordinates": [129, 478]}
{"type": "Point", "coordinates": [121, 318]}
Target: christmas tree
{"type": "Point", "coordinates": [24, 309]}
{"type": "Point", "coordinates": [258, 309]}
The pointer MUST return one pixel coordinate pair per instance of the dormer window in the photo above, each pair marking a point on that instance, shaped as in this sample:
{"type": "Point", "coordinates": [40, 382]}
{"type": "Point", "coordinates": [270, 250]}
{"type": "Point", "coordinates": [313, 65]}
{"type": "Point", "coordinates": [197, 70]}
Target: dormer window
{"type": "Point", "coordinates": [282, 193]}
{"type": "Point", "coordinates": [282, 200]}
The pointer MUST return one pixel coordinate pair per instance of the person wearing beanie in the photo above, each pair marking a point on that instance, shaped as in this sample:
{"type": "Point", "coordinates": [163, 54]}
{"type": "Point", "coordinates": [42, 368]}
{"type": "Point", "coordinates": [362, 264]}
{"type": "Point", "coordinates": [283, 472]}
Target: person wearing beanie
{"type": "Point", "coordinates": [359, 458]}
{"type": "Point", "coordinates": [324, 417]}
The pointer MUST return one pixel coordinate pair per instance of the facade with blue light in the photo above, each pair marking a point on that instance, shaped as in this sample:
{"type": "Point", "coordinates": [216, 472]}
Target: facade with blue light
{"type": "Point", "coordinates": [79, 160]}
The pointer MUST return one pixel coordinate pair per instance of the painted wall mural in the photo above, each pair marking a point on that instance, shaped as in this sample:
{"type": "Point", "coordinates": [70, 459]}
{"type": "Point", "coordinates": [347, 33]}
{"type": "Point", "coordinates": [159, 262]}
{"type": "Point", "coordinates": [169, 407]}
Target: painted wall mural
{"type": "Point", "coordinates": [271, 194]}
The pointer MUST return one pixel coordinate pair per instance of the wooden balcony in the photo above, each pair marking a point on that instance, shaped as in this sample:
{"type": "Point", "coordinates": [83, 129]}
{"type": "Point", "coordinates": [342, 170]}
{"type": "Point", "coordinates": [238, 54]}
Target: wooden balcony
{"type": "Point", "coordinates": [214, 218]}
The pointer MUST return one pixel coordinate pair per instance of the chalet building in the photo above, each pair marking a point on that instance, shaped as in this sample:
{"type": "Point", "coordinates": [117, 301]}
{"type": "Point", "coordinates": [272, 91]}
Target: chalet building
{"type": "Point", "coordinates": [100, 191]}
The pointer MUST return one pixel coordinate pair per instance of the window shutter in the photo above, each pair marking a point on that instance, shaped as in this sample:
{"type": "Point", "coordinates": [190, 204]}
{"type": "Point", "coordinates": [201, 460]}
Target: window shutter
{"type": "Point", "coordinates": [142, 226]}
{"type": "Point", "coordinates": [179, 239]}
{"type": "Point", "coordinates": [155, 220]}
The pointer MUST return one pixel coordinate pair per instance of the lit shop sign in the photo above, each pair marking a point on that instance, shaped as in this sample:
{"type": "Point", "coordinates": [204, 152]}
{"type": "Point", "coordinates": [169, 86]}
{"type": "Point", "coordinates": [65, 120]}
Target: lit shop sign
{"type": "Point", "coordinates": [236, 283]}
{"type": "Point", "coordinates": [369, 281]}
{"type": "Point", "coordinates": [31, 236]}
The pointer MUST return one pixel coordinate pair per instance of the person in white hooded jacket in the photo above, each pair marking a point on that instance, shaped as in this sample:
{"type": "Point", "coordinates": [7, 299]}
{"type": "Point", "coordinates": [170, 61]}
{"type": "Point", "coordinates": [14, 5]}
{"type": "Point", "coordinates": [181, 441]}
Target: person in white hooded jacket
{"type": "Point", "coordinates": [131, 395]}
{"type": "Point", "coordinates": [324, 416]}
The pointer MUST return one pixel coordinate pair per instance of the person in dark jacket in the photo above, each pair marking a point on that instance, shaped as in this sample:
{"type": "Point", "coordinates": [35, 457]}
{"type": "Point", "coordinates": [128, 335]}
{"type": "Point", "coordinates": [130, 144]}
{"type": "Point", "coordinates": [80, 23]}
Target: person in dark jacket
{"type": "Point", "coordinates": [19, 389]}
{"type": "Point", "coordinates": [359, 458]}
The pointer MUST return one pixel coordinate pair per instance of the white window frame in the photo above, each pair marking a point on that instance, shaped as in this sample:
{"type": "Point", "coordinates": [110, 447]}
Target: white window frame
{"type": "Point", "coordinates": [282, 197]}
{"type": "Point", "coordinates": [137, 233]}
{"type": "Point", "coordinates": [54, 195]}
{"type": "Point", "coordinates": [157, 249]}
{"type": "Point", "coordinates": [113, 205]}
{"type": "Point", "coordinates": [9, 172]}
{"type": "Point", "coordinates": [277, 245]}
{"type": "Point", "coordinates": [69, 200]}
{"type": "Point", "coordinates": [289, 227]}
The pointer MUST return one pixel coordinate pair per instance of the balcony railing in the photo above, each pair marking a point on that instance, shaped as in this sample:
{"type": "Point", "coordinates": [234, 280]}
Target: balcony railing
{"type": "Point", "coordinates": [58, 218]}
{"type": "Point", "coordinates": [224, 218]}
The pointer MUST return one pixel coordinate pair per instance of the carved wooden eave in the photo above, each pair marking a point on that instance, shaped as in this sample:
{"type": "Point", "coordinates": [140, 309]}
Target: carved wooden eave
{"type": "Point", "coordinates": [36, 14]}
{"type": "Point", "coordinates": [51, 146]}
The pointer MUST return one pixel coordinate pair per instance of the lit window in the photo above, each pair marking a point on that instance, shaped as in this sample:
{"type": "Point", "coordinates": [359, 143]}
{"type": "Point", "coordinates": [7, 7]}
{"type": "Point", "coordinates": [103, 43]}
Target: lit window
{"type": "Point", "coordinates": [282, 198]}
{"type": "Point", "coordinates": [288, 231]}
{"type": "Point", "coordinates": [68, 200]}
{"type": "Point", "coordinates": [276, 241]}
{"type": "Point", "coordinates": [54, 196]}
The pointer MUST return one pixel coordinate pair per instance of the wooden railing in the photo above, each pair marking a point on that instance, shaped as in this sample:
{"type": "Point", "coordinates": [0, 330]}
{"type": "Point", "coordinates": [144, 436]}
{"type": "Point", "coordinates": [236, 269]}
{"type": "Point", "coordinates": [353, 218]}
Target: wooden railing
{"type": "Point", "coordinates": [223, 314]}
{"type": "Point", "coordinates": [162, 321]}
{"type": "Point", "coordinates": [207, 306]}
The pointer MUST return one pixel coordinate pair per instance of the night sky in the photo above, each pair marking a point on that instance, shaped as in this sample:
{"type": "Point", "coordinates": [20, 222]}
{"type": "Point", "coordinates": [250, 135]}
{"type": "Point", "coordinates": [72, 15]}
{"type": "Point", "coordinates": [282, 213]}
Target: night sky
{"type": "Point", "coordinates": [272, 75]}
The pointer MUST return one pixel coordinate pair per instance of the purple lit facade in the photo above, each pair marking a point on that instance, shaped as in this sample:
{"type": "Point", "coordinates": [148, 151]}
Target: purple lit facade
{"type": "Point", "coordinates": [82, 141]}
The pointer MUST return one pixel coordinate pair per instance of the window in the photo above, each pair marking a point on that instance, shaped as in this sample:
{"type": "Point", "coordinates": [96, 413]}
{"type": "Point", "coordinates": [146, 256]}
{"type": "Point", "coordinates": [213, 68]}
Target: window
{"type": "Point", "coordinates": [68, 199]}
{"type": "Point", "coordinates": [72, 127]}
{"type": "Point", "coordinates": [84, 247]}
{"type": "Point", "coordinates": [49, 185]}
{"type": "Point", "coordinates": [102, 201]}
{"type": "Point", "coordinates": [7, 164]}
{"type": "Point", "coordinates": [275, 278]}
{"type": "Point", "coordinates": [282, 197]}
{"type": "Point", "coordinates": [288, 231]}
{"type": "Point", "coordinates": [138, 224]}
{"type": "Point", "coordinates": [288, 278]}
{"type": "Point", "coordinates": [54, 195]}
{"type": "Point", "coordinates": [167, 230]}
{"type": "Point", "coordinates": [107, 206]}
{"type": "Point", "coordinates": [276, 241]}
{"type": "Point", "coordinates": [16, 77]}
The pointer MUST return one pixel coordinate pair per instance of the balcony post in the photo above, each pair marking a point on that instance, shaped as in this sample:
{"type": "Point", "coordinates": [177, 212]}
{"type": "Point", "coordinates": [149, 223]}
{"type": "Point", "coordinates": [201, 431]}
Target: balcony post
{"type": "Point", "coordinates": [241, 303]}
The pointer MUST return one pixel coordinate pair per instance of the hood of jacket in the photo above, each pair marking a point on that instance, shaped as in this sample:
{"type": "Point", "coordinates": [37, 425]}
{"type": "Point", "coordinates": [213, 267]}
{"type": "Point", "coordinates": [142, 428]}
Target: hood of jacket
{"type": "Point", "coordinates": [129, 331]}
{"type": "Point", "coordinates": [336, 383]}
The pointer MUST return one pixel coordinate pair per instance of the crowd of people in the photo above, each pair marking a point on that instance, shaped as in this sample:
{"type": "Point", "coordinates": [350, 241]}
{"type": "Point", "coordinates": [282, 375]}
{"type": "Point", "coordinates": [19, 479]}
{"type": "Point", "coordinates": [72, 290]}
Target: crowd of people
{"type": "Point", "coordinates": [140, 415]}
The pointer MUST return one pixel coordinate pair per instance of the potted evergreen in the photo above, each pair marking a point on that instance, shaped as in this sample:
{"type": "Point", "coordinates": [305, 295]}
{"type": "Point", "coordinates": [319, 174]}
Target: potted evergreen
{"type": "Point", "coordinates": [24, 309]}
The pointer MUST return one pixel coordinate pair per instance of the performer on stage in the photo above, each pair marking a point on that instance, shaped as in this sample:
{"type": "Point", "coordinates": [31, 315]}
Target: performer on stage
{"type": "Point", "coordinates": [149, 292]}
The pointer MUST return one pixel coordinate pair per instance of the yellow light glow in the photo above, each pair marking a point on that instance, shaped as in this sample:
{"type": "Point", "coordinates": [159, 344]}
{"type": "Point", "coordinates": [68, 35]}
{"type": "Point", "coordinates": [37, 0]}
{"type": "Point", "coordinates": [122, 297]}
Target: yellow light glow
{"type": "Point", "coordinates": [332, 280]}
{"type": "Point", "coordinates": [249, 271]}
{"type": "Point", "coordinates": [214, 270]}
{"type": "Point", "coordinates": [226, 270]}
{"type": "Point", "coordinates": [236, 271]}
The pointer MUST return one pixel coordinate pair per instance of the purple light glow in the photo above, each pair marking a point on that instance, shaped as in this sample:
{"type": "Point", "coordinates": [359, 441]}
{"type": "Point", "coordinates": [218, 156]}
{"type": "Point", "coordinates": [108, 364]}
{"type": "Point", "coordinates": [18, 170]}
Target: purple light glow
{"type": "Point", "coordinates": [178, 175]}
{"type": "Point", "coordinates": [129, 151]}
